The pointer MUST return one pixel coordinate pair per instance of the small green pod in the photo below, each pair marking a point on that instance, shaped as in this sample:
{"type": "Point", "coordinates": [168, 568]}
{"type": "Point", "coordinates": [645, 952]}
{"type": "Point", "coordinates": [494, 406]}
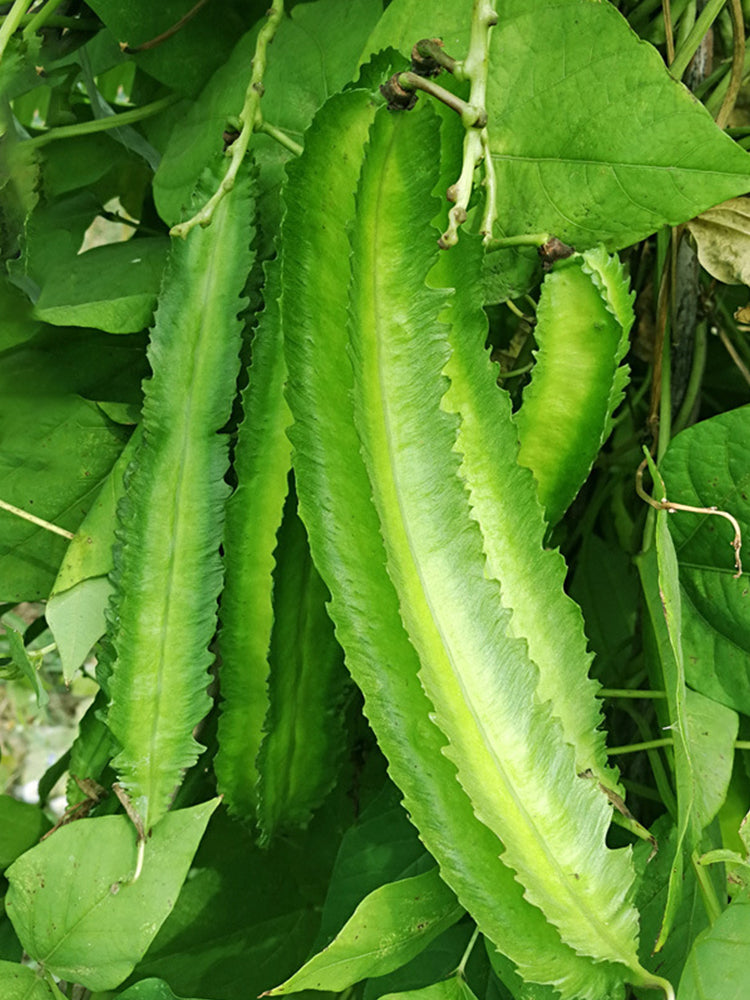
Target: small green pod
{"type": "Point", "coordinates": [584, 317]}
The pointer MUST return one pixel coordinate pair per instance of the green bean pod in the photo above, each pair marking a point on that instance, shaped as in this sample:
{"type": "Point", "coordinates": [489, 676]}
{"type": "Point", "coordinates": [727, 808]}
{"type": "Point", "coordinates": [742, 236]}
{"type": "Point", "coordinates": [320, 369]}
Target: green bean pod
{"type": "Point", "coordinates": [448, 690]}
{"type": "Point", "coordinates": [584, 317]}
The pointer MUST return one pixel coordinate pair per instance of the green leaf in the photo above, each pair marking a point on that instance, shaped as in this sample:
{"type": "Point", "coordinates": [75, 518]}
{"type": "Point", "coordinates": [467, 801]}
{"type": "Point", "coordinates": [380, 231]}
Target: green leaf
{"type": "Point", "coordinates": [247, 916]}
{"type": "Point", "coordinates": [717, 967]}
{"type": "Point", "coordinates": [55, 451]}
{"type": "Point", "coordinates": [149, 989]}
{"type": "Point", "coordinates": [336, 506]}
{"type": "Point", "coordinates": [659, 578]}
{"type": "Point", "coordinates": [388, 928]}
{"type": "Point", "coordinates": [112, 287]}
{"type": "Point", "coordinates": [298, 761]}
{"type": "Point", "coordinates": [187, 58]}
{"type": "Point", "coordinates": [651, 897]}
{"type": "Point", "coordinates": [92, 748]}
{"type": "Point", "coordinates": [320, 40]}
{"type": "Point", "coordinates": [381, 847]}
{"type": "Point", "coordinates": [253, 515]}
{"type": "Point", "coordinates": [583, 142]}
{"type": "Point", "coordinates": [18, 982]}
{"type": "Point", "coordinates": [72, 902]}
{"type": "Point", "coordinates": [22, 663]}
{"type": "Point", "coordinates": [712, 730]}
{"type": "Point", "coordinates": [168, 571]}
{"type": "Point", "coordinates": [437, 962]}
{"type": "Point", "coordinates": [16, 312]}
{"type": "Point", "coordinates": [21, 826]}
{"type": "Point", "coordinates": [706, 466]}
{"type": "Point", "coordinates": [454, 988]}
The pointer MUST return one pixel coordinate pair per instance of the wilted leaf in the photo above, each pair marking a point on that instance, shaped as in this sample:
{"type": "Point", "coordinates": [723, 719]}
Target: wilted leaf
{"type": "Point", "coordinates": [722, 235]}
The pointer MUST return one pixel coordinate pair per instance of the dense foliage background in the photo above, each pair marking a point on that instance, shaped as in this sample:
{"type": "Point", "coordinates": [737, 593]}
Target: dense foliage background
{"type": "Point", "coordinates": [170, 396]}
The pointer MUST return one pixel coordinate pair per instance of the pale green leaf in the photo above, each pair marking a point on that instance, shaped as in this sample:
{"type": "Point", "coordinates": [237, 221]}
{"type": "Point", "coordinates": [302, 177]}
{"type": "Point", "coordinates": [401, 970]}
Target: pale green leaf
{"type": "Point", "coordinates": [388, 928]}
{"type": "Point", "coordinates": [455, 988]}
{"type": "Point", "coordinates": [74, 906]}
{"type": "Point", "coordinates": [19, 982]}
{"type": "Point", "coordinates": [76, 606]}
{"type": "Point", "coordinates": [112, 287]}
{"type": "Point", "coordinates": [712, 730]}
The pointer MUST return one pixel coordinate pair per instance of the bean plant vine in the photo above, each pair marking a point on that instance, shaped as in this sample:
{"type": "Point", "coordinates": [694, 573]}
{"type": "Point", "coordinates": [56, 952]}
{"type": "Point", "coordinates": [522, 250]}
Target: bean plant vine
{"type": "Point", "coordinates": [373, 452]}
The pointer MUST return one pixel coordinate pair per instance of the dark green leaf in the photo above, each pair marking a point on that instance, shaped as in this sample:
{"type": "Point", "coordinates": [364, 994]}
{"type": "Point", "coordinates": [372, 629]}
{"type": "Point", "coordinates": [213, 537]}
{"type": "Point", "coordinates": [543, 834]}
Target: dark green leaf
{"type": "Point", "coordinates": [321, 40]}
{"type": "Point", "coordinates": [388, 928]}
{"type": "Point", "coordinates": [21, 826]}
{"type": "Point", "coordinates": [113, 287]}
{"type": "Point", "coordinates": [707, 466]}
{"type": "Point", "coordinates": [149, 989]}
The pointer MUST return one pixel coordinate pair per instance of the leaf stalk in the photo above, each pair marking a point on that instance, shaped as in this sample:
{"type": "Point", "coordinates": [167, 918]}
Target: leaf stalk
{"type": "Point", "coordinates": [476, 141]}
{"type": "Point", "coordinates": [13, 20]}
{"type": "Point", "coordinates": [250, 119]}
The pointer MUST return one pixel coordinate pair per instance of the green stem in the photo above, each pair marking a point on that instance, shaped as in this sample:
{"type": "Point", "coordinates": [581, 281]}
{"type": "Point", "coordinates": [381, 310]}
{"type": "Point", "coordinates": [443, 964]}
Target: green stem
{"type": "Point", "coordinates": [41, 18]}
{"type": "Point", "coordinates": [703, 22]}
{"type": "Point", "coordinates": [281, 137]}
{"type": "Point", "coordinates": [742, 745]}
{"type": "Point", "coordinates": [102, 124]}
{"type": "Point", "coordinates": [476, 142]}
{"type": "Point", "coordinates": [461, 970]}
{"type": "Point", "coordinates": [666, 9]}
{"type": "Point", "coordinates": [625, 693]}
{"type": "Point", "coordinates": [471, 115]}
{"type": "Point", "coordinates": [13, 20]}
{"type": "Point", "coordinates": [708, 893]}
{"type": "Point", "coordinates": [522, 240]}
{"type": "Point", "coordinates": [665, 741]}
{"type": "Point", "coordinates": [250, 117]}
